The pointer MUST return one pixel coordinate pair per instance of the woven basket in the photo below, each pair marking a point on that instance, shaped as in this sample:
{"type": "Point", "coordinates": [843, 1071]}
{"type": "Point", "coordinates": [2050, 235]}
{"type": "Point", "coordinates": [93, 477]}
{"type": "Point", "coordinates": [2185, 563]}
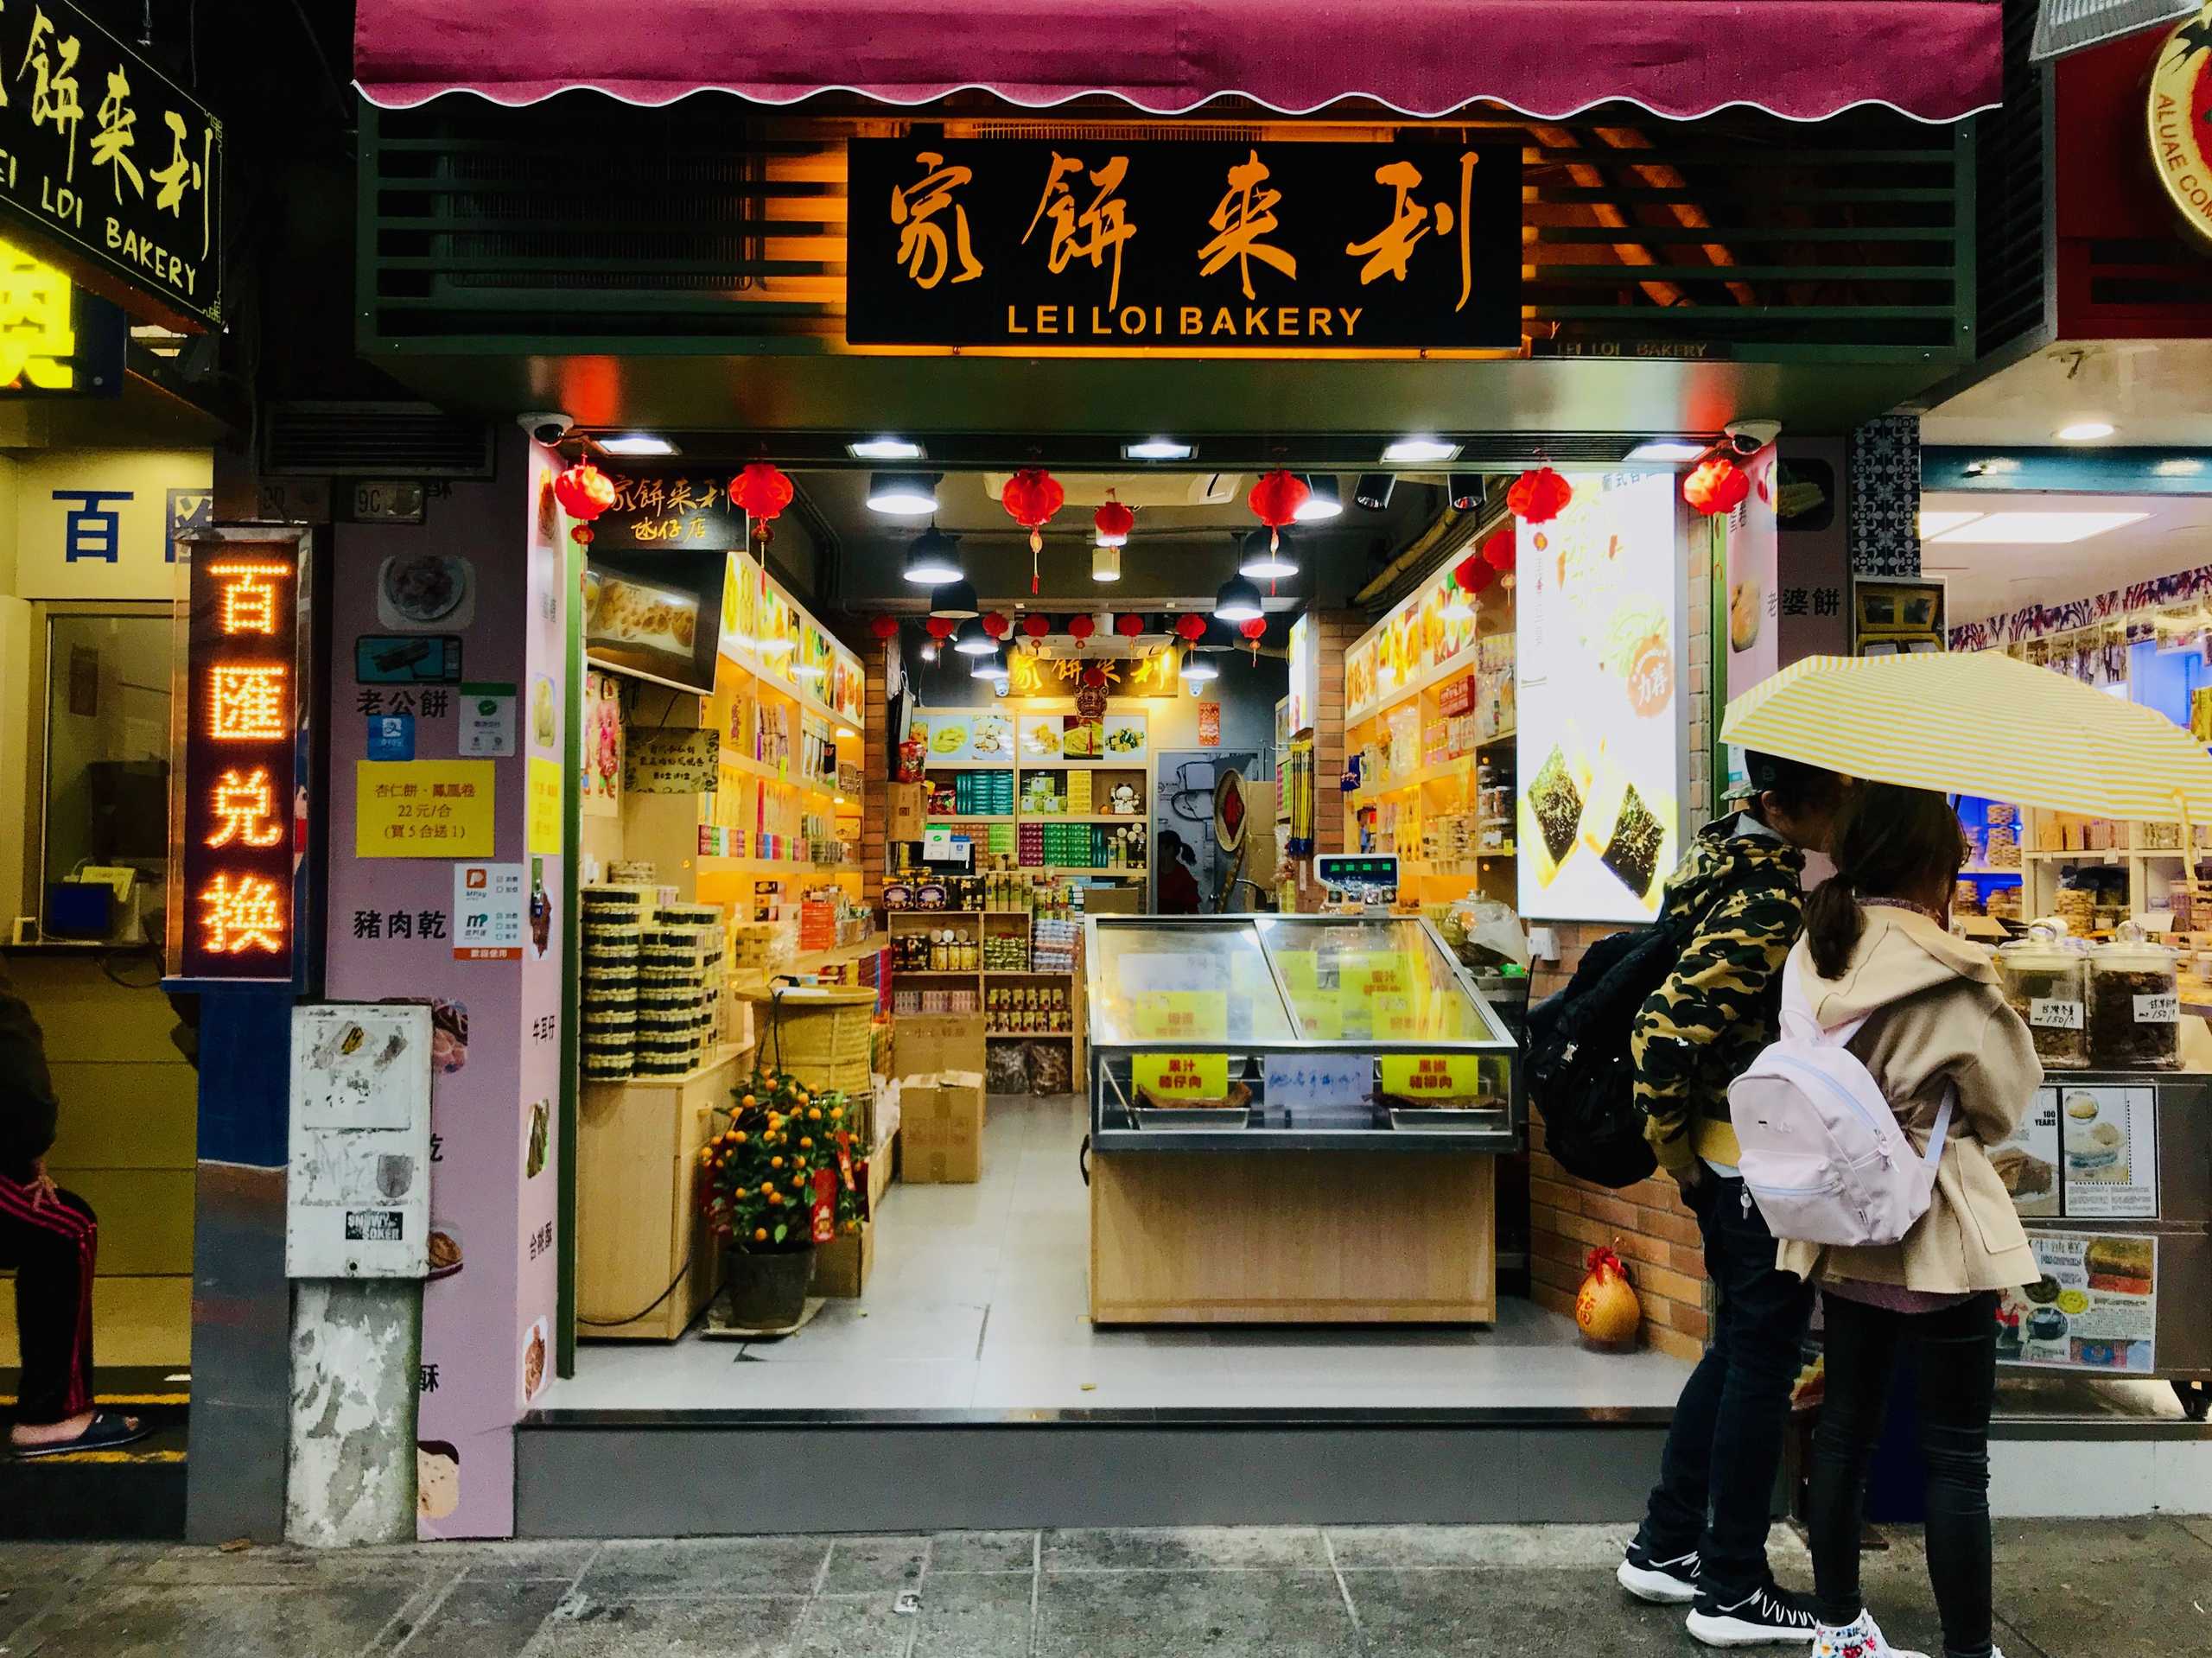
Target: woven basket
{"type": "Point", "coordinates": [819, 1034]}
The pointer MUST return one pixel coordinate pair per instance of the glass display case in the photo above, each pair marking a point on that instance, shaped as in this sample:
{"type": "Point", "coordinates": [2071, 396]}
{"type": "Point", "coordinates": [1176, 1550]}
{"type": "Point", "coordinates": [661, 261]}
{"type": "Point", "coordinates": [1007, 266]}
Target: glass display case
{"type": "Point", "coordinates": [1314, 1033]}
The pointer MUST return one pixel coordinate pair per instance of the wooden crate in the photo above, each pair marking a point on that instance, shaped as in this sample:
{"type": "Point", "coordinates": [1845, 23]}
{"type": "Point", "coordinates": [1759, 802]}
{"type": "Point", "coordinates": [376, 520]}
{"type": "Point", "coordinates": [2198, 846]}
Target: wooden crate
{"type": "Point", "coordinates": [637, 1223]}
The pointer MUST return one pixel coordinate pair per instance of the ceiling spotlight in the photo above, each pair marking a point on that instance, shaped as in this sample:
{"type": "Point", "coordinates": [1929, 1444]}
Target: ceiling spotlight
{"type": "Point", "coordinates": [885, 448]}
{"type": "Point", "coordinates": [956, 600]}
{"type": "Point", "coordinates": [1666, 452]}
{"type": "Point", "coordinates": [636, 443]}
{"type": "Point", "coordinates": [1466, 489]}
{"type": "Point", "coordinates": [1106, 563]}
{"type": "Point", "coordinates": [1238, 600]}
{"type": "Point", "coordinates": [902, 494]}
{"type": "Point", "coordinates": [2183, 466]}
{"type": "Point", "coordinates": [990, 663]}
{"type": "Point", "coordinates": [2084, 431]}
{"type": "Point", "coordinates": [972, 641]}
{"type": "Point", "coordinates": [846, 731]}
{"type": "Point", "coordinates": [933, 558]}
{"type": "Point", "coordinates": [1373, 489]}
{"type": "Point", "coordinates": [929, 650]}
{"type": "Point", "coordinates": [1264, 562]}
{"type": "Point", "coordinates": [1413, 451]}
{"type": "Point", "coordinates": [1323, 500]}
{"type": "Point", "coordinates": [1196, 667]}
{"type": "Point", "coordinates": [1159, 448]}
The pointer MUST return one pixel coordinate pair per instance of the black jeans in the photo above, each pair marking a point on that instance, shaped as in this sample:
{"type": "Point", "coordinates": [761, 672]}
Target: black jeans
{"type": "Point", "coordinates": [1958, 1380]}
{"type": "Point", "coordinates": [51, 1245]}
{"type": "Point", "coordinates": [1716, 1478]}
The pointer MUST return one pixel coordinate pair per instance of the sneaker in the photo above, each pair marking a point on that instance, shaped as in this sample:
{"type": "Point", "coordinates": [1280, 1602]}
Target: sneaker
{"type": "Point", "coordinates": [1860, 1638]}
{"type": "Point", "coordinates": [1663, 1583]}
{"type": "Point", "coordinates": [1767, 1615]}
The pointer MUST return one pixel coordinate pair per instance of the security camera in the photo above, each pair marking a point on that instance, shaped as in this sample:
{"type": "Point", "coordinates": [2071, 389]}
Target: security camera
{"type": "Point", "coordinates": [546, 425]}
{"type": "Point", "coordinates": [1749, 436]}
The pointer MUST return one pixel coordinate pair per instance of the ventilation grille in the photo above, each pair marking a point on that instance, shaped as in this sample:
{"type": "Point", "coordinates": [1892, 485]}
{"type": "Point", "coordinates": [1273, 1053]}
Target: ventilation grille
{"type": "Point", "coordinates": [2013, 194]}
{"type": "Point", "coordinates": [695, 224]}
{"type": "Point", "coordinates": [388, 440]}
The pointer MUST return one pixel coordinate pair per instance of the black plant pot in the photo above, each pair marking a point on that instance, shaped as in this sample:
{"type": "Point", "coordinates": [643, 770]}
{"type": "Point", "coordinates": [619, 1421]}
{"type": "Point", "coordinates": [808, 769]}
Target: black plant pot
{"type": "Point", "coordinates": [767, 1292]}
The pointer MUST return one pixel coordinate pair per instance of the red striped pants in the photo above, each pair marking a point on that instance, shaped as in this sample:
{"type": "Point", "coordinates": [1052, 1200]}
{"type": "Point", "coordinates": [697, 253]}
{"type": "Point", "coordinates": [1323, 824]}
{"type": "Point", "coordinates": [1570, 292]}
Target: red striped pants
{"type": "Point", "coordinates": [51, 1245]}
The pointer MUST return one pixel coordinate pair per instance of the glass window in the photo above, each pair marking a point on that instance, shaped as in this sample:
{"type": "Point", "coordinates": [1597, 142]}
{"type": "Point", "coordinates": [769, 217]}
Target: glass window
{"type": "Point", "coordinates": [107, 745]}
{"type": "Point", "coordinates": [1196, 982]}
{"type": "Point", "coordinates": [1372, 980]}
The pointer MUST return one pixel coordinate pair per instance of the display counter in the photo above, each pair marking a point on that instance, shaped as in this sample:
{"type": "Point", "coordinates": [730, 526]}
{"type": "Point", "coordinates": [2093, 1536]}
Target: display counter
{"type": "Point", "coordinates": [1293, 1119]}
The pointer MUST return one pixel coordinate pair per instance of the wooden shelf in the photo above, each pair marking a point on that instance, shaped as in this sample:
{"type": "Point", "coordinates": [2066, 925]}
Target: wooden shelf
{"type": "Point", "coordinates": [1080, 869]}
{"type": "Point", "coordinates": [1141, 762]}
{"type": "Point", "coordinates": [1028, 973]}
{"type": "Point", "coordinates": [748, 766]}
{"type": "Point", "coordinates": [970, 817]}
{"type": "Point", "coordinates": [816, 960]}
{"type": "Point", "coordinates": [709, 865]}
{"type": "Point", "coordinates": [1080, 817]}
{"type": "Point", "coordinates": [1510, 734]}
{"type": "Point", "coordinates": [1027, 1036]}
{"type": "Point", "coordinates": [1452, 667]}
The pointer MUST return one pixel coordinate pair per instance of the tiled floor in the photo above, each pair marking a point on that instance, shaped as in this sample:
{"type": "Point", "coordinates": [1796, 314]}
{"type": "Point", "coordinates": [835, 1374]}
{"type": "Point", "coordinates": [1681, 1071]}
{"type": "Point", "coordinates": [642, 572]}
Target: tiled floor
{"type": "Point", "coordinates": [979, 1301]}
{"type": "Point", "coordinates": [2109, 1588]}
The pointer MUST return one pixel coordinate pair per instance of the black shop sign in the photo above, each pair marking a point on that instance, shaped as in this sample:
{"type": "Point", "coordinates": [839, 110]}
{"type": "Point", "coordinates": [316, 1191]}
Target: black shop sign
{"type": "Point", "coordinates": [112, 162]}
{"type": "Point", "coordinates": [1213, 247]}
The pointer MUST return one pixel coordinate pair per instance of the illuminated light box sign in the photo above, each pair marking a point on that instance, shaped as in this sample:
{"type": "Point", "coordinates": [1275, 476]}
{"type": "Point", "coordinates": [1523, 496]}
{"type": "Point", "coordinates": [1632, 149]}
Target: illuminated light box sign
{"type": "Point", "coordinates": [1305, 247]}
{"type": "Point", "coordinates": [238, 803]}
{"type": "Point", "coordinates": [56, 340]}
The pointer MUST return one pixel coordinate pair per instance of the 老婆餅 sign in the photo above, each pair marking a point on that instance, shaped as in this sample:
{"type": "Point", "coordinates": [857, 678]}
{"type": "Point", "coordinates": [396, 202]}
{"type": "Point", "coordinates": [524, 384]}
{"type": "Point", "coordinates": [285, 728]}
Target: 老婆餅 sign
{"type": "Point", "coordinates": [1209, 247]}
{"type": "Point", "coordinates": [2181, 119]}
{"type": "Point", "coordinates": [113, 164]}
{"type": "Point", "coordinates": [231, 889]}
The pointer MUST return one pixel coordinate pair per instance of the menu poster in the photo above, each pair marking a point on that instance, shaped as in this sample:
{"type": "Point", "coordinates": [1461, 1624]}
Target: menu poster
{"type": "Point", "coordinates": [672, 762]}
{"type": "Point", "coordinates": [2028, 1162]}
{"type": "Point", "coordinates": [1126, 735]}
{"type": "Point", "coordinates": [962, 736]}
{"type": "Point", "coordinates": [1599, 752]}
{"type": "Point", "coordinates": [2111, 1138]}
{"type": "Point", "coordinates": [2094, 1308]}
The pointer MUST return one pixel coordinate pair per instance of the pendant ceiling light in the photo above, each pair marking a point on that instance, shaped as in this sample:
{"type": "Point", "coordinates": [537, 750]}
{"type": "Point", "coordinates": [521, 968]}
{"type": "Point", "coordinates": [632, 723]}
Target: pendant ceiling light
{"type": "Point", "coordinates": [1265, 558]}
{"type": "Point", "coordinates": [991, 664]}
{"type": "Point", "coordinates": [1238, 600]}
{"type": "Point", "coordinates": [1323, 500]}
{"type": "Point", "coordinates": [1105, 563]}
{"type": "Point", "coordinates": [933, 558]}
{"type": "Point", "coordinates": [902, 494]}
{"type": "Point", "coordinates": [972, 641]}
{"type": "Point", "coordinates": [957, 600]}
{"type": "Point", "coordinates": [1196, 667]}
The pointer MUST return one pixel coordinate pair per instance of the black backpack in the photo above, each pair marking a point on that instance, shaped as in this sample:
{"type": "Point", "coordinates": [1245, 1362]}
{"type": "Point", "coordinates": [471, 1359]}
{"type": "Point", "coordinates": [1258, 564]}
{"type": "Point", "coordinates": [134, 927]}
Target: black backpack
{"type": "Point", "coordinates": [1578, 1070]}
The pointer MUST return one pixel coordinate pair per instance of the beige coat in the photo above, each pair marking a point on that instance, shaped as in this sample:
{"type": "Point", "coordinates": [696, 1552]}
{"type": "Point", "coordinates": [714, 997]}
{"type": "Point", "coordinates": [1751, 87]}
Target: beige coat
{"type": "Point", "coordinates": [1938, 1020]}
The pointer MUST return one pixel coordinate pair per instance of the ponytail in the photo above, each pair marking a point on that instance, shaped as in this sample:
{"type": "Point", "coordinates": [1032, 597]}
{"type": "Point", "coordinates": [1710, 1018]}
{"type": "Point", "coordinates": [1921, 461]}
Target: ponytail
{"type": "Point", "coordinates": [1833, 922]}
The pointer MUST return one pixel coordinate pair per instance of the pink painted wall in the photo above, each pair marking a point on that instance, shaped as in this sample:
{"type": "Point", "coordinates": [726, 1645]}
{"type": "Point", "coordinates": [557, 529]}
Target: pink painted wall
{"type": "Point", "coordinates": [481, 1323]}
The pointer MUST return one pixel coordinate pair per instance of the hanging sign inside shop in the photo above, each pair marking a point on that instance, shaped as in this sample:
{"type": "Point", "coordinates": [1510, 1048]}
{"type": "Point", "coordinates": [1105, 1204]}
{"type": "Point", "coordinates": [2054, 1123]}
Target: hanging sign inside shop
{"type": "Point", "coordinates": [233, 866]}
{"type": "Point", "coordinates": [112, 162]}
{"type": "Point", "coordinates": [2181, 119]}
{"type": "Point", "coordinates": [1282, 247]}
{"type": "Point", "coordinates": [664, 510]}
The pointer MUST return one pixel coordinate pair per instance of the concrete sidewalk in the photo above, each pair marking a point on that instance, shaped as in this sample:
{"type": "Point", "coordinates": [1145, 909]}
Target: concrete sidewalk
{"type": "Point", "coordinates": [2078, 1589]}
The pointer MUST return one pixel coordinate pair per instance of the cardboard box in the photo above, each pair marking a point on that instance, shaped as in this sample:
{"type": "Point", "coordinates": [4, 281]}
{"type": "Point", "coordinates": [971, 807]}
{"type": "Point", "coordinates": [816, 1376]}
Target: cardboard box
{"type": "Point", "coordinates": [843, 1265]}
{"type": "Point", "coordinates": [927, 1045]}
{"type": "Point", "coordinates": [941, 1129]}
{"type": "Point", "coordinates": [906, 807]}
{"type": "Point", "coordinates": [1114, 901]}
{"type": "Point", "coordinates": [880, 1164]}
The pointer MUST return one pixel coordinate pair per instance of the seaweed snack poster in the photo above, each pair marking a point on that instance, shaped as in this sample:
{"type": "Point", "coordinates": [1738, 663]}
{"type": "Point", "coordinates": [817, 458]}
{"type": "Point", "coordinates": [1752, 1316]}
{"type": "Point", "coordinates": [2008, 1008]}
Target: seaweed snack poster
{"type": "Point", "coordinates": [1598, 688]}
{"type": "Point", "coordinates": [2095, 1306]}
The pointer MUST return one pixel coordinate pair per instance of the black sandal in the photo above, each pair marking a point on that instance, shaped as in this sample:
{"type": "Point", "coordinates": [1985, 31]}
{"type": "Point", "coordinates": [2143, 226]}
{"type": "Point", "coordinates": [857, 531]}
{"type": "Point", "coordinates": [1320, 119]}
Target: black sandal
{"type": "Point", "coordinates": [106, 1430]}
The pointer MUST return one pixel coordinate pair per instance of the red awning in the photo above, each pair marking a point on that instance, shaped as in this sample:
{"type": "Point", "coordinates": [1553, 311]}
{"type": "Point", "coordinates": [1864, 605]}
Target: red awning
{"type": "Point", "coordinates": [1935, 60]}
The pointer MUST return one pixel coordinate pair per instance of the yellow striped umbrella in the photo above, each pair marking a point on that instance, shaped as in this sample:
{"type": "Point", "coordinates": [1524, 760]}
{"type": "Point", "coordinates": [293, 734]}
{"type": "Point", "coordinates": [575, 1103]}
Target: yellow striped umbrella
{"type": "Point", "coordinates": [1979, 723]}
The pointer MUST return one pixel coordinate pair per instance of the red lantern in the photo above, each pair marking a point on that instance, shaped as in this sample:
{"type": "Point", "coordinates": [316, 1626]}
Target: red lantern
{"type": "Point", "coordinates": [1500, 552]}
{"type": "Point", "coordinates": [1191, 628]}
{"type": "Point", "coordinates": [996, 625]}
{"type": "Point", "coordinates": [885, 628]}
{"type": "Point", "coordinates": [1275, 500]}
{"type": "Point", "coordinates": [1471, 575]}
{"type": "Point", "coordinates": [1035, 626]}
{"type": "Point", "coordinates": [1719, 485]}
{"type": "Point", "coordinates": [584, 492]}
{"type": "Point", "coordinates": [1031, 496]}
{"type": "Point", "coordinates": [1252, 629]}
{"type": "Point", "coordinates": [1094, 677]}
{"type": "Point", "coordinates": [1129, 625]}
{"type": "Point", "coordinates": [1081, 628]}
{"type": "Point", "coordinates": [1113, 522]}
{"type": "Point", "coordinates": [760, 492]}
{"type": "Point", "coordinates": [940, 627]}
{"type": "Point", "coordinates": [1538, 496]}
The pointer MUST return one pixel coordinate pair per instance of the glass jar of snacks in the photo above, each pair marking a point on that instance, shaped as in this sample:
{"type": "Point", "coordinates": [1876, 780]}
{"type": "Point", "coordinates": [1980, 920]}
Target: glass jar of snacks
{"type": "Point", "coordinates": [2046, 984]}
{"type": "Point", "coordinates": [2134, 1005]}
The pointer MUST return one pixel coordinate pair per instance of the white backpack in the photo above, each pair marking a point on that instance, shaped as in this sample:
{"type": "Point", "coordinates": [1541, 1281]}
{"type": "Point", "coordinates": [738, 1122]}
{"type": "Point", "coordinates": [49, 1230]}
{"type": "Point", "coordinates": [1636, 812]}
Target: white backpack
{"type": "Point", "coordinates": [1824, 1156]}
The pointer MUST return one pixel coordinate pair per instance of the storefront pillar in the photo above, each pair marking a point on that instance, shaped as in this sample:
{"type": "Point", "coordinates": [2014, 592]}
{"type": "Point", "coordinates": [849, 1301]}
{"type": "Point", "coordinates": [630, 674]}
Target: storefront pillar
{"type": "Point", "coordinates": [449, 656]}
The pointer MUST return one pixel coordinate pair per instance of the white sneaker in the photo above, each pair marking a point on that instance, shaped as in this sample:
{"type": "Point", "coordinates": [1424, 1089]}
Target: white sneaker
{"type": "Point", "coordinates": [1662, 1583]}
{"type": "Point", "coordinates": [1860, 1638]}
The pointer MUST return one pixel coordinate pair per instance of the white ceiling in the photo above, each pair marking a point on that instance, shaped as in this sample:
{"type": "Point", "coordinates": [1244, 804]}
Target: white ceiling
{"type": "Point", "coordinates": [2155, 393]}
{"type": "Point", "coordinates": [2176, 534]}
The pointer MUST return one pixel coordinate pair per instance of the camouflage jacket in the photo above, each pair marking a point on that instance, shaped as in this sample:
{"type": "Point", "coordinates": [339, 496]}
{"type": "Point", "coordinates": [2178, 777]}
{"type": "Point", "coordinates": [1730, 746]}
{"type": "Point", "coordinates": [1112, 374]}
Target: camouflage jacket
{"type": "Point", "coordinates": [1699, 1030]}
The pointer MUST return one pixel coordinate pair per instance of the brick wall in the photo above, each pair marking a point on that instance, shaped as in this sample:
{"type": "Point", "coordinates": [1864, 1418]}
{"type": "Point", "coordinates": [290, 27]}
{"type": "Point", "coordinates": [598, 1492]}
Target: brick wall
{"type": "Point", "coordinates": [874, 768]}
{"type": "Point", "coordinates": [1334, 632]}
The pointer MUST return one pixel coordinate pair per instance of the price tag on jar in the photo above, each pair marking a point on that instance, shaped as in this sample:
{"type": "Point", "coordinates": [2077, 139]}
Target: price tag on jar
{"type": "Point", "coordinates": [2051, 1014]}
{"type": "Point", "coordinates": [2164, 1009]}
{"type": "Point", "coordinates": [1432, 1076]}
{"type": "Point", "coordinates": [1171, 1077]}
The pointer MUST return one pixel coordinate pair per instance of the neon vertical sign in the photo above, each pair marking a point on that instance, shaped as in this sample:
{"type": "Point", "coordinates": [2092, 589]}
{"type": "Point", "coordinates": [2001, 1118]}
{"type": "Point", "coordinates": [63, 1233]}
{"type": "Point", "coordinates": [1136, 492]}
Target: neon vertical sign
{"type": "Point", "coordinates": [232, 892]}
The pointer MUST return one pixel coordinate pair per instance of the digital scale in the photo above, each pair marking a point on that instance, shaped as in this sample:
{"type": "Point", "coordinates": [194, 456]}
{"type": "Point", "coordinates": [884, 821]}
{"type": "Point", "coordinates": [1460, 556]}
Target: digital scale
{"type": "Point", "coordinates": [1363, 883]}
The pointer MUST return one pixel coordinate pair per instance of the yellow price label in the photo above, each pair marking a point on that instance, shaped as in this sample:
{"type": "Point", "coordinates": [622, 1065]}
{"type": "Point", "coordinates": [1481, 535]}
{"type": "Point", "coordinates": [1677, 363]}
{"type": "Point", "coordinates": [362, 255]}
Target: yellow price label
{"type": "Point", "coordinates": [1171, 1077]}
{"type": "Point", "coordinates": [1432, 1076]}
{"type": "Point", "coordinates": [1181, 1015]}
{"type": "Point", "coordinates": [543, 821]}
